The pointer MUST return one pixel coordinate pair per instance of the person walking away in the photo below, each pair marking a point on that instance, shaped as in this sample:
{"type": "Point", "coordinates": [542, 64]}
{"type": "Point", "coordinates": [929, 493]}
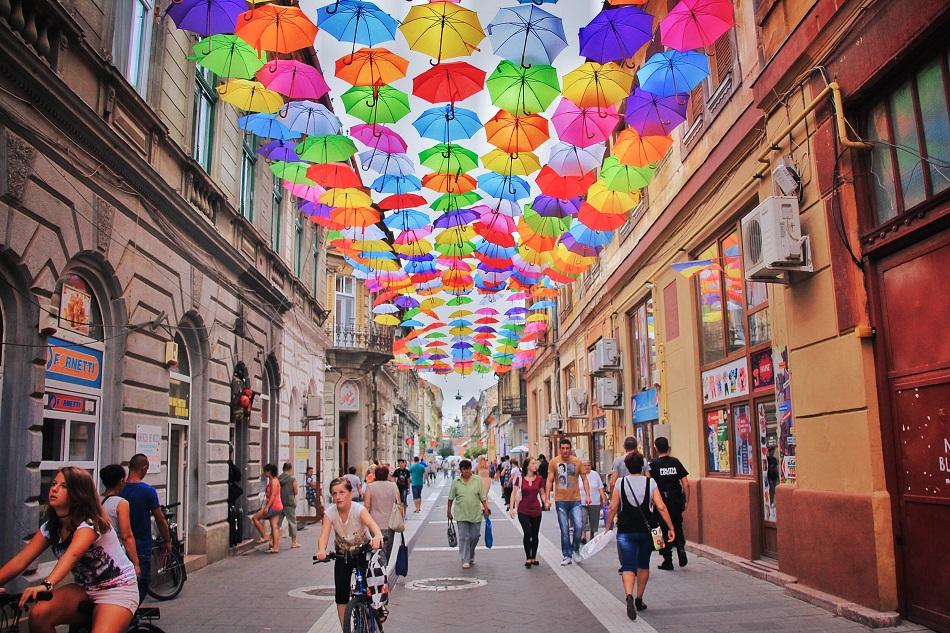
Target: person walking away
{"type": "Point", "coordinates": [491, 469]}
{"type": "Point", "coordinates": [77, 529]}
{"type": "Point", "coordinates": [543, 467]}
{"type": "Point", "coordinates": [312, 494]}
{"type": "Point", "coordinates": [515, 474]}
{"type": "Point", "coordinates": [381, 496]}
{"type": "Point", "coordinates": [143, 507]}
{"type": "Point", "coordinates": [355, 482]}
{"type": "Point", "coordinates": [402, 476]}
{"type": "Point", "coordinates": [526, 502]}
{"type": "Point", "coordinates": [673, 480]}
{"type": "Point", "coordinates": [352, 526]}
{"type": "Point", "coordinates": [289, 489]}
{"type": "Point", "coordinates": [633, 500]}
{"type": "Point", "coordinates": [470, 504]}
{"type": "Point", "coordinates": [417, 473]}
{"type": "Point", "coordinates": [445, 469]}
{"type": "Point", "coordinates": [484, 474]}
{"type": "Point", "coordinates": [113, 478]}
{"type": "Point", "coordinates": [592, 504]}
{"type": "Point", "coordinates": [565, 478]}
{"type": "Point", "coordinates": [504, 478]}
{"type": "Point", "coordinates": [617, 468]}
{"type": "Point", "coordinates": [270, 511]}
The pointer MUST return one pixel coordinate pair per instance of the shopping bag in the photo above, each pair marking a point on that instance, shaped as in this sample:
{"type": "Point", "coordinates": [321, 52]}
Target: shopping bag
{"type": "Point", "coordinates": [453, 537]}
{"type": "Point", "coordinates": [397, 522]}
{"type": "Point", "coordinates": [599, 542]}
{"type": "Point", "coordinates": [489, 538]}
{"type": "Point", "coordinates": [402, 558]}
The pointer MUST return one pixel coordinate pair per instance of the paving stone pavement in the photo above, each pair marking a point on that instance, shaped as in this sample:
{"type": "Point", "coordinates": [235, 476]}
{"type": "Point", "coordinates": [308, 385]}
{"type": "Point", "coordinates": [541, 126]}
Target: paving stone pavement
{"type": "Point", "coordinates": [253, 593]}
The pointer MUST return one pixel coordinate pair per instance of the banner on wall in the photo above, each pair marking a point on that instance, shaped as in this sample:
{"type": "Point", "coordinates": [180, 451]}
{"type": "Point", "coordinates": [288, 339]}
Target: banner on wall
{"type": "Point", "coordinates": [75, 314]}
{"type": "Point", "coordinates": [74, 364]}
{"type": "Point", "coordinates": [645, 406]}
{"type": "Point", "coordinates": [348, 397]}
{"type": "Point", "coordinates": [148, 441]}
{"type": "Point", "coordinates": [726, 381]}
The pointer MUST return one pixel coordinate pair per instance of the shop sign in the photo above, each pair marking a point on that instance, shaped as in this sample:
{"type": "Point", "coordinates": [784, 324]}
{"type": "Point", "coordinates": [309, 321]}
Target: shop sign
{"type": "Point", "coordinates": [763, 374]}
{"type": "Point", "coordinates": [348, 398]}
{"type": "Point", "coordinates": [75, 310]}
{"type": "Point", "coordinates": [179, 395]}
{"type": "Point", "coordinates": [646, 406]}
{"type": "Point", "coordinates": [72, 363]}
{"type": "Point", "coordinates": [69, 403]}
{"type": "Point", "coordinates": [726, 381]}
{"type": "Point", "coordinates": [148, 441]}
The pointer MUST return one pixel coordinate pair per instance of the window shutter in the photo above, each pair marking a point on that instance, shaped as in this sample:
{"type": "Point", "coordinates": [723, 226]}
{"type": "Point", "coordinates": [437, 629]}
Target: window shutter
{"type": "Point", "coordinates": [721, 60]}
{"type": "Point", "coordinates": [695, 106]}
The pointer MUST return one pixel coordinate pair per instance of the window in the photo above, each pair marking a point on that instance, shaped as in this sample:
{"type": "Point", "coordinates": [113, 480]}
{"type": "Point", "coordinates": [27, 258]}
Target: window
{"type": "Point", "coordinates": [643, 330]}
{"type": "Point", "coordinates": [314, 263]}
{"type": "Point", "coordinates": [248, 162]}
{"type": "Point", "coordinates": [345, 314]}
{"type": "Point", "coordinates": [909, 129]}
{"type": "Point", "coordinates": [276, 219]}
{"type": "Point", "coordinates": [203, 117]}
{"type": "Point", "coordinates": [298, 246]}
{"type": "Point", "coordinates": [132, 41]}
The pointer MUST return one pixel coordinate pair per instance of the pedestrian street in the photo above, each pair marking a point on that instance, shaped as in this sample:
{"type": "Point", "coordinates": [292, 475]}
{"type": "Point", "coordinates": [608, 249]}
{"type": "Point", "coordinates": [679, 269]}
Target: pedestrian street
{"type": "Point", "coordinates": [286, 593]}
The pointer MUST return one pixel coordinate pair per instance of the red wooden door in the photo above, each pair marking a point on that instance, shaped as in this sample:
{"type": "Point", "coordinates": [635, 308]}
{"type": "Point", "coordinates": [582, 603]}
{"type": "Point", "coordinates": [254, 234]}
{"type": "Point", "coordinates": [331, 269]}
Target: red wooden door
{"type": "Point", "coordinates": [915, 309]}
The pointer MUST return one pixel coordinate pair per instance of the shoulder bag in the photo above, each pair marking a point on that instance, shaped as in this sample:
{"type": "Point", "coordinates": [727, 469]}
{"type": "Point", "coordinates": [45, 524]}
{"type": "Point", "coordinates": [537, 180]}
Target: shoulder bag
{"type": "Point", "coordinates": [397, 522]}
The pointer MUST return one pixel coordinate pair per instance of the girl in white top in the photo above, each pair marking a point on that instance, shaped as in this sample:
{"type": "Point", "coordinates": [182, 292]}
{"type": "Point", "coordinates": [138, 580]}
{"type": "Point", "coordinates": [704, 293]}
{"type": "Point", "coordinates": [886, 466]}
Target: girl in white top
{"type": "Point", "coordinates": [352, 527]}
{"type": "Point", "coordinates": [113, 478]}
{"type": "Point", "coordinates": [77, 528]}
{"type": "Point", "coordinates": [594, 505]}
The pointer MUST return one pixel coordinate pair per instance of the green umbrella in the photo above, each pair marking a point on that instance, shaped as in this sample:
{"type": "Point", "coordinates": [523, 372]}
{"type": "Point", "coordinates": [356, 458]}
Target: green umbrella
{"type": "Point", "coordinates": [453, 201]}
{"type": "Point", "coordinates": [228, 56]}
{"type": "Point", "coordinates": [521, 90]}
{"type": "Point", "coordinates": [456, 250]}
{"type": "Point", "coordinates": [435, 334]}
{"type": "Point", "coordinates": [329, 148]}
{"type": "Point", "coordinates": [459, 301]}
{"type": "Point", "coordinates": [482, 369]}
{"type": "Point", "coordinates": [294, 172]}
{"type": "Point", "coordinates": [619, 177]}
{"type": "Point", "coordinates": [381, 104]}
{"type": "Point", "coordinates": [483, 349]}
{"type": "Point", "coordinates": [449, 158]}
{"type": "Point", "coordinates": [546, 226]}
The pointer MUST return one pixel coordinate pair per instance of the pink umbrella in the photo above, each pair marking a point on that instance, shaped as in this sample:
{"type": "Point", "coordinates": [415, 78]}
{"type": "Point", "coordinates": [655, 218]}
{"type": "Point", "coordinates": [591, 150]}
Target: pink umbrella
{"type": "Point", "coordinates": [584, 126]}
{"type": "Point", "coordinates": [408, 237]}
{"type": "Point", "coordinates": [379, 137]}
{"type": "Point", "coordinates": [310, 193]}
{"type": "Point", "coordinates": [696, 23]}
{"type": "Point", "coordinates": [293, 79]}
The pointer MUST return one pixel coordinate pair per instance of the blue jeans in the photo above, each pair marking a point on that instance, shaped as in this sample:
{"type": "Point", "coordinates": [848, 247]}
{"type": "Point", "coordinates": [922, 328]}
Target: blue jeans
{"type": "Point", "coordinates": [573, 510]}
{"type": "Point", "coordinates": [634, 551]}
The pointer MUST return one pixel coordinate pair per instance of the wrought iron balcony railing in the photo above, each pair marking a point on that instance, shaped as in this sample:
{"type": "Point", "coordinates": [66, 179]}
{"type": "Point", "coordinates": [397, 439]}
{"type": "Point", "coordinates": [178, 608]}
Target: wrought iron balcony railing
{"type": "Point", "coordinates": [371, 338]}
{"type": "Point", "coordinates": [514, 405]}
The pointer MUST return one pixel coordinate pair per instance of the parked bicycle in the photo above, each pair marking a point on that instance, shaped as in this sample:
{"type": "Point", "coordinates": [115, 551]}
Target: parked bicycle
{"type": "Point", "coordinates": [168, 573]}
{"type": "Point", "coordinates": [11, 613]}
{"type": "Point", "coordinates": [360, 615]}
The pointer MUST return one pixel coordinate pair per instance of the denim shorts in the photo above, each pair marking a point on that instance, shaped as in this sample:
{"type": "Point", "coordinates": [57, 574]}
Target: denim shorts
{"type": "Point", "coordinates": [634, 550]}
{"type": "Point", "coordinates": [417, 492]}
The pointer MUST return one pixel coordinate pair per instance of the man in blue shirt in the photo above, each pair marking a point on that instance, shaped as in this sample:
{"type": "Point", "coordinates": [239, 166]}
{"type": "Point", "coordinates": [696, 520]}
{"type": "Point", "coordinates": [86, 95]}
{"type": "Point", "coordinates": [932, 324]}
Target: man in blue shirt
{"type": "Point", "coordinates": [417, 474]}
{"type": "Point", "coordinates": [144, 504]}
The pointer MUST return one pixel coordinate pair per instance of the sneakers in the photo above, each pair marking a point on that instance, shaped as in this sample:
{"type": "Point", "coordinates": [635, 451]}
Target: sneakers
{"type": "Point", "coordinates": [681, 552]}
{"type": "Point", "coordinates": [577, 558]}
{"type": "Point", "coordinates": [566, 561]}
{"type": "Point", "coordinates": [666, 565]}
{"type": "Point", "coordinates": [631, 608]}
{"type": "Point", "coordinates": [466, 565]}
{"type": "Point", "coordinates": [640, 606]}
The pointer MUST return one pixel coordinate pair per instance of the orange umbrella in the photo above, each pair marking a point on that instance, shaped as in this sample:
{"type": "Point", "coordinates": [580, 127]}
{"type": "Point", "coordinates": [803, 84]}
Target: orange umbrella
{"type": "Point", "coordinates": [449, 183]}
{"type": "Point", "coordinates": [371, 67]}
{"type": "Point", "coordinates": [639, 151]}
{"type": "Point", "coordinates": [513, 134]}
{"type": "Point", "coordinates": [275, 28]}
{"type": "Point", "coordinates": [359, 216]}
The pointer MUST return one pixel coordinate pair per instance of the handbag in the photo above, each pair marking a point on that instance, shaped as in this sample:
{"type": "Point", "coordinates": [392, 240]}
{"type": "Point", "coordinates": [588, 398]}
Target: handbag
{"type": "Point", "coordinates": [489, 537]}
{"type": "Point", "coordinates": [453, 537]}
{"type": "Point", "coordinates": [397, 522]}
{"type": "Point", "coordinates": [656, 533]}
{"type": "Point", "coordinates": [402, 558]}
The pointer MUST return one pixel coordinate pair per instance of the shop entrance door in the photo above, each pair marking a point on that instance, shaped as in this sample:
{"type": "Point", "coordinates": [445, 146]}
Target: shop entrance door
{"type": "Point", "coordinates": [304, 454]}
{"type": "Point", "coordinates": [916, 349]}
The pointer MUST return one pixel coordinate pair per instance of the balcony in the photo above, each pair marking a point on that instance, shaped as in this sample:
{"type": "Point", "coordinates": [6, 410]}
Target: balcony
{"type": "Point", "coordinates": [359, 347]}
{"type": "Point", "coordinates": [514, 405]}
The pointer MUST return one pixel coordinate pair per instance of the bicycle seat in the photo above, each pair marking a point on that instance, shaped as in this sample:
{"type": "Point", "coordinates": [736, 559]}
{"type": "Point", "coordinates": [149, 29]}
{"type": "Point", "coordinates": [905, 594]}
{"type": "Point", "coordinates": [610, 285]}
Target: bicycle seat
{"type": "Point", "coordinates": [148, 613]}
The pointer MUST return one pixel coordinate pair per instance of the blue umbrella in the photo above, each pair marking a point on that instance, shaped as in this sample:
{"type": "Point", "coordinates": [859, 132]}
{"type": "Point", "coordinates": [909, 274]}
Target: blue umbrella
{"type": "Point", "coordinates": [266, 126]}
{"type": "Point", "coordinates": [527, 33]}
{"type": "Point", "coordinates": [616, 34]}
{"type": "Point", "coordinates": [412, 323]}
{"type": "Point", "coordinates": [387, 164]}
{"type": "Point", "coordinates": [279, 150]}
{"type": "Point", "coordinates": [551, 207]}
{"type": "Point", "coordinates": [504, 187]}
{"type": "Point", "coordinates": [358, 22]}
{"type": "Point", "coordinates": [445, 123]}
{"type": "Point", "coordinates": [396, 184]}
{"type": "Point", "coordinates": [537, 1]}
{"type": "Point", "coordinates": [672, 72]}
{"type": "Point", "coordinates": [407, 220]}
{"type": "Point", "coordinates": [309, 117]}
{"type": "Point", "coordinates": [541, 305]}
{"type": "Point", "coordinates": [588, 236]}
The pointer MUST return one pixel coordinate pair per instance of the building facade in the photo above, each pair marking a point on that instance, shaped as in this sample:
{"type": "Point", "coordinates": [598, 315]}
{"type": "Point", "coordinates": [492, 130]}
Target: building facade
{"type": "Point", "coordinates": [797, 404]}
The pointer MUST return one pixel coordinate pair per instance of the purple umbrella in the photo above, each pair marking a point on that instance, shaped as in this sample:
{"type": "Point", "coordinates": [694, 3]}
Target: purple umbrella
{"type": "Point", "coordinates": [459, 217]}
{"type": "Point", "coordinates": [514, 311]}
{"type": "Point", "coordinates": [550, 207]}
{"type": "Point", "coordinates": [206, 17]}
{"type": "Point", "coordinates": [578, 248]}
{"type": "Point", "coordinates": [279, 150]}
{"type": "Point", "coordinates": [407, 302]}
{"type": "Point", "coordinates": [653, 115]}
{"type": "Point", "coordinates": [379, 137]}
{"type": "Point", "coordinates": [616, 34]}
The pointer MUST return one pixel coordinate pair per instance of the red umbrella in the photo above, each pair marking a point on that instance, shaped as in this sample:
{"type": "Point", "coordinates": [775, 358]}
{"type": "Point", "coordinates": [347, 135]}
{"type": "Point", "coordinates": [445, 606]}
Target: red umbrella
{"type": "Point", "coordinates": [591, 217]}
{"type": "Point", "coordinates": [448, 82]}
{"type": "Point", "coordinates": [334, 175]}
{"type": "Point", "coordinates": [402, 201]}
{"type": "Point", "coordinates": [555, 185]}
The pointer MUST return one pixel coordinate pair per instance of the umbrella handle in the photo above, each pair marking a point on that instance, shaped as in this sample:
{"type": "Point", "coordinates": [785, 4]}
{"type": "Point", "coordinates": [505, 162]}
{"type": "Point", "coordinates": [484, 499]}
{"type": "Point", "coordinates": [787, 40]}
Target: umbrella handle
{"type": "Point", "coordinates": [336, 7]}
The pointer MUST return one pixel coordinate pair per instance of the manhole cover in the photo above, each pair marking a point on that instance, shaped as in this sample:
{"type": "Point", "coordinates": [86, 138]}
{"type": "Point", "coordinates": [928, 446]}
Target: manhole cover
{"type": "Point", "coordinates": [445, 584]}
{"type": "Point", "coordinates": [318, 592]}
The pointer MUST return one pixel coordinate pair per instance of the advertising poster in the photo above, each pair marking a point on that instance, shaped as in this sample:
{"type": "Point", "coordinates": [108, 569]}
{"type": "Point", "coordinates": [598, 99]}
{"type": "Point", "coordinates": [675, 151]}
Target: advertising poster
{"type": "Point", "coordinates": [743, 440]}
{"type": "Point", "coordinates": [727, 381]}
{"type": "Point", "coordinates": [349, 397]}
{"type": "Point", "coordinates": [783, 403]}
{"type": "Point", "coordinates": [763, 374]}
{"type": "Point", "coordinates": [75, 310]}
{"type": "Point", "coordinates": [148, 441]}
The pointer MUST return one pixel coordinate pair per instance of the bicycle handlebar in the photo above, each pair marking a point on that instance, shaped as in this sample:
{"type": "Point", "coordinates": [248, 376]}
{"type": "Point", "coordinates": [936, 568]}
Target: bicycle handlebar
{"type": "Point", "coordinates": [14, 598]}
{"type": "Point", "coordinates": [363, 550]}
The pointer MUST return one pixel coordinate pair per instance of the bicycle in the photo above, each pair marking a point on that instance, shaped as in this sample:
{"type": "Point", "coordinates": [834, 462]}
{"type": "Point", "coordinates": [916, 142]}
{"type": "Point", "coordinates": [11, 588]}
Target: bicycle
{"type": "Point", "coordinates": [142, 619]}
{"type": "Point", "coordinates": [10, 611]}
{"type": "Point", "coordinates": [360, 616]}
{"type": "Point", "coordinates": [168, 574]}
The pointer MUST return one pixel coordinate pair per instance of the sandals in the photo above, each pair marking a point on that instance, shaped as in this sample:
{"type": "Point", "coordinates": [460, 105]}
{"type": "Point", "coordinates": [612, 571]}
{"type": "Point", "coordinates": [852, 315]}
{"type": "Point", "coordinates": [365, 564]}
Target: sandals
{"type": "Point", "coordinates": [273, 551]}
{"type": "Point", "coordinates": [261, 541]}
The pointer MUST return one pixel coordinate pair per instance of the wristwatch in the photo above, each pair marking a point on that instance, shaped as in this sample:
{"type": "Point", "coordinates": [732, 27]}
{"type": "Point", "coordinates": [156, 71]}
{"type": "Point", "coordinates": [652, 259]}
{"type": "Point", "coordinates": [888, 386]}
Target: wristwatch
{"type": "Point", "coordinates": [48, 585]}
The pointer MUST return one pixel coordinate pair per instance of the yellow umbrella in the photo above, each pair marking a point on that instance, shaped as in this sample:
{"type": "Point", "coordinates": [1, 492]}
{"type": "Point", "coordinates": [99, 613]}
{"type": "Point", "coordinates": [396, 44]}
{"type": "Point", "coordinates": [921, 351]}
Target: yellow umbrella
{"type": "Point", "coordinates": [521, 164]}
{"type": "Point", "coordinates": [345, 198]}
{"type": "Point", "coordinates": [460, 313]}
{"type": "Point", "coordinates": [607, 201]}
{"type": "Point", "coordinates": [455, 235]}
{"type": "Point", "coordinates": [434, 302]}
{"type": "Point", "coordinates": [534, 256]}
{"type": "Point", "coordinates": [442, 30]}
{"type": "Point", "coordinates": [460, 331]}
{"type": "Point", "coordinates": [250, 96]}
{"type": "Point", "coordinates": [413, 249]}
{"type": "Point", "coordinates": [386, 319]}
{"type": "Point", "coordinates": [593, 85]}
{"type": "Point", "coordinates": [387, 265]}
{"type": "Point", "coordinates": [541, 316]}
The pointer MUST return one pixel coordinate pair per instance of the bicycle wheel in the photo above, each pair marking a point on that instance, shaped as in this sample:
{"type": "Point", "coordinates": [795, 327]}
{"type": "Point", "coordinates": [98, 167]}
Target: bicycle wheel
{"type": "Point", "coordinates": [167, 577]}
{"type": "Point", "coordinates": [359, 618]}
{"type": "Point", "coordinates": [144, 627]}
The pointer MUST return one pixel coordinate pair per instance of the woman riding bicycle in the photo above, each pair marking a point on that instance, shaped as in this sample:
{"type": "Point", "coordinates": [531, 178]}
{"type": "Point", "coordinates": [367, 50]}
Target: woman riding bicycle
{"type": "Point", "coordinates": [78, 530]}
{"type": "Point", "coordinates": [351, 525]}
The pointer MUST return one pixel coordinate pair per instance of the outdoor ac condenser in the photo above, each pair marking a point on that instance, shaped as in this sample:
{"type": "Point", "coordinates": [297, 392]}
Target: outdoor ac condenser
{"type": "Point", "coordinates": [576, 403]}
{"type": "Point", "coordinates": [609, 395]}
{"type": "Point", "coordinates": [314, 407]}
{"type": "Point", "coordinates": [772, 242]}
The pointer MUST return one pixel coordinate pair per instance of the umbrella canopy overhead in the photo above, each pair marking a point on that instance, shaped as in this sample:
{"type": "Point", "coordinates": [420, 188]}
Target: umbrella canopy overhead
{"type": "Point", "coordinates": [442, 30]}
{"type": "Point", "coordinates": [527, 34]}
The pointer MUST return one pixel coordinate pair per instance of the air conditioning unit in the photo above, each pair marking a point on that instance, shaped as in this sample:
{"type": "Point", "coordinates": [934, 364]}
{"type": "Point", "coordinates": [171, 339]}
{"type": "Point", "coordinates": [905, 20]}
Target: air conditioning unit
{"type": "Point", "coordinates": [772, 242]}
{"type": "Point", "coordinates": [313, 407]}
{"type": "Point", "coordinates": [553, 423]}
{"type": "Point", "coordinates": [608, 392]}
{"type": "Point", "coordinates": [576, 403]}
{"type": "Point", "coordinates": [609, 353]}
{"type": "Point", "coordinates": [593, 362]}
{"type": "Point", "coordinates": [391, 419]}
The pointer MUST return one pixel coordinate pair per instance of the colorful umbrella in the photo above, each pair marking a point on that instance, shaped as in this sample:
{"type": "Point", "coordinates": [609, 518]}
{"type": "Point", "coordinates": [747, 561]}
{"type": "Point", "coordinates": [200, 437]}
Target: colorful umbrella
{"type": "Point", "coordinates": [549, 207]}
{"type": "Point", "coordinates": [358, 22]}
{"type": "Point", "coordinates": [673, 72]}
{"type": "Point", "coordinates": [394, 183]}
{"type": "Point", "coordinates": [589, 216]}
{"type": "Point", "coordinates": [401, 201]}
{"type": "Point", "coordinates": [519, 164]}
{"type": "Point", "coordinates": [504, 186]}
{"type": "Point", "coordinates": [294, 172]}
{"type": "Point", "coordinates": [329, 148]}
{"type": "Point", "coordinates": [696, 23]}
{"type": "Point", "coordinates": [386, 163]}
{"type": "Point", "coordinates": [619, 177]}
{"type": "Point", "coordinates": [407, 219]}
{"type": "Point", "coordinates": [513, 134]}
{"type": "Point", "coordinates": [616, 34]}
{"type": "Point", "coordinates": [379, 137]}
{"type": "Point", "coordinates": [583, 126]}
{"type": "Point", "coordinates": [309, 117]}
{"type": "Point", "coordinates": [334, 175]}
{"type": "Point", "coordinates": [206, 17]}
{"type": "Point", "coordinates": [528, 34]}
{"type": "Point", "coordinates": [293, 79]}
{"type": "Point", "coordinates": [250, 96]}
{"type": "Point", "coordinates": [279, 150]}
{"type": "Point", "coordinates": [449, 82]}
{"type": "Point", "coordinates": [376, 104]}
{"type": "Point", "coordinates": [346, 198]}
{"type": "Point", "coordinates": [639, 151]}
{"type": "Point", "coordinates": [653, 115]}
{"type": "Point", "coordinates": [449, 158]}
{"type": "Point", "coordinates": [276, 28]}
{"type": "Point", "coordinates": [227, 55]}
{"type": "Point", "coordinates": [447, 123]}
{"type": "Point", "coordinates": [521, 90]}
{"type": "Point", "coordinates": [442, 30]}
{"type": "Point", "coordinates": [371, 67]}
{"type": "Point", "coordinates": [266, 126]}
{"type": "Point", "coordinates": [597, 85]}
{"type": "Point", "coordinates": [554, 184]}
{"type": "Point", "coordinates": [571, 160]}
{"type": "Point", "coordinates": [449, 183]}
